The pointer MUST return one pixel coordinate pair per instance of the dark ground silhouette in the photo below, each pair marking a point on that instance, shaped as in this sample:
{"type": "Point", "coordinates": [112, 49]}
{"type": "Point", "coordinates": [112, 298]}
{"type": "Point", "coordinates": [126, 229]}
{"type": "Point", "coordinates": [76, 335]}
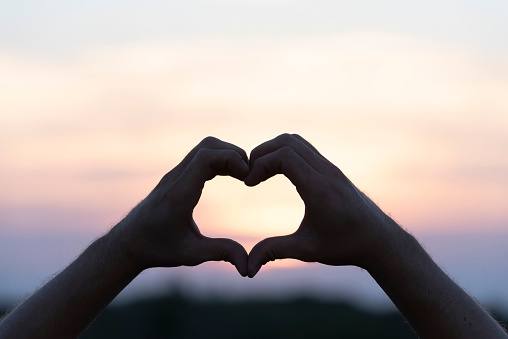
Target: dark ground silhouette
{"type": "Point", "coordinates": [176, 316]}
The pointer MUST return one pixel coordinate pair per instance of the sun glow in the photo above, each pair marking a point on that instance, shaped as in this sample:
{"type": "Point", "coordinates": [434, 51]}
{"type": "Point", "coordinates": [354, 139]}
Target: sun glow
{"type": "Point", "coordinates": [394, 113]}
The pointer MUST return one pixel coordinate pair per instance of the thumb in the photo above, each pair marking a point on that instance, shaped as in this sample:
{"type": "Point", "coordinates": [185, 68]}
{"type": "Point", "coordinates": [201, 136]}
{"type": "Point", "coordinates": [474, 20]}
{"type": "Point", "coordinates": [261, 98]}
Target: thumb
{"type": "Point", "coordinates": [270, 249]}
{"type": "Point", "coordinates": [220, 249]}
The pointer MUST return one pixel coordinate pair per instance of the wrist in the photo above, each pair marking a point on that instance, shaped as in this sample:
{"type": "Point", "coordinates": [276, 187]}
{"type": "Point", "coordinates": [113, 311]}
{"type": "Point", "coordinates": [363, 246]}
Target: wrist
{"type": "Point", "coordinates": [391, 245]}
{"type": "Point", "coordinates": [119, 248]}
{"type": "Point", "coordinates": [401, 262]}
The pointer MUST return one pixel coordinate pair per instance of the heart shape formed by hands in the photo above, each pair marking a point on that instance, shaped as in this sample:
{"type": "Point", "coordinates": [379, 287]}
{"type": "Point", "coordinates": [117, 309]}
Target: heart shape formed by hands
{"type": "Point", "coordinates": [336, 228]}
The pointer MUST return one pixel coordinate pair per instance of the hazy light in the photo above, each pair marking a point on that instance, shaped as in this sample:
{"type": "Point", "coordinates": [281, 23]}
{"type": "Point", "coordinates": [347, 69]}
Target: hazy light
{"type": "Point", "coordinates": [418, 126]}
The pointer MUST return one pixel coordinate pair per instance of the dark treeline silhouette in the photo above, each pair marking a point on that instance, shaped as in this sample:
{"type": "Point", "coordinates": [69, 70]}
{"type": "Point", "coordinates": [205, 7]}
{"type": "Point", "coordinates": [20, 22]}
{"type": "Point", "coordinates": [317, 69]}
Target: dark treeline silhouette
{"type": "Point", "coordinates": [176, 316]}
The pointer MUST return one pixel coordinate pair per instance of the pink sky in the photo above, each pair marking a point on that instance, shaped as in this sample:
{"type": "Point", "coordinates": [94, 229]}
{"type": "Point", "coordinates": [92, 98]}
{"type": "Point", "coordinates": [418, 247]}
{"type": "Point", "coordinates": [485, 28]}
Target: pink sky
{"type": "Point", "coordinates": [419, 125]}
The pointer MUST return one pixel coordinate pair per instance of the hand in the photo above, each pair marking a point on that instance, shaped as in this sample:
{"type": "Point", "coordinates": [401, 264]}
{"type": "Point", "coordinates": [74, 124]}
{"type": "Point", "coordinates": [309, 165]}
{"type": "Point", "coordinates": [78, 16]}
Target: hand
{"type": "Point", "coordinates": [341, 226]}
{"type": "Point", "coordinates": [161, 232]}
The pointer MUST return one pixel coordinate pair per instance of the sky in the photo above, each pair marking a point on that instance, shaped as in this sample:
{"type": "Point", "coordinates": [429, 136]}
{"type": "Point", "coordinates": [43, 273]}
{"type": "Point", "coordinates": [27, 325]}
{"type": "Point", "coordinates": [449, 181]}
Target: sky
{"type": "Point", "coordinates": [98, 100]}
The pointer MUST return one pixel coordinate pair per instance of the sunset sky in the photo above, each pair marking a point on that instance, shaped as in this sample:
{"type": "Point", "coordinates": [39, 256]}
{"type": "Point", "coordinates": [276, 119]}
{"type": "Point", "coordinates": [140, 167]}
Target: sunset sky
{"type": "Point", "coordinates": [98, 100]}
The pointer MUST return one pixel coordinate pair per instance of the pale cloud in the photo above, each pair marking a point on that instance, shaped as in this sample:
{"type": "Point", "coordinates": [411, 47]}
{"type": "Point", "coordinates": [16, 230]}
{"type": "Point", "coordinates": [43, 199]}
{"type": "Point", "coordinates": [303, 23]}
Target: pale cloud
{"type": "Point", "coordinates": [57, 27]}
{"type": "Point", "coordinates": [399, 115]}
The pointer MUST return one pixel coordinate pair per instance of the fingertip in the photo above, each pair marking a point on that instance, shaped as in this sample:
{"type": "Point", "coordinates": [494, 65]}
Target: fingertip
{"type": "Point", "coordinates": [241, 265]}
{"type": "Point", "coordinates": [244, 156]}
{"type": "Point", "coordinates": [257, 174]}
{"type": "Point", "coordinates": [239, 258]}
{"type": "Point", "coordinates": [237, 168]}
{"type": "Point", "coordinates": [249, 181]}
{"type": "Point", "coordinates": [257, 258]}
{"type": "Point", "coordinates": [242, 270]}
{"type": "Point", "coordinates": [246, 164]}
{"type": "Point", "coordinates": [245, 168]}
{"type": "Point", "coordinates": [253, 271]}
{"type": "Point", "coordinates": [254, 154]}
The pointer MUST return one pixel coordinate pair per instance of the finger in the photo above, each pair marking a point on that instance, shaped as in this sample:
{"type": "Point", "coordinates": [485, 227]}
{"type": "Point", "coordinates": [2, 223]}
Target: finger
{"type": "Point", "coordinates": [209, 143]}
{"type": "Point", "coordinates": [220, 249]}
{"type": "Point", "coordinates": [271, 249]}
{"type": "Point", "coordinates": [206, 164]}
{"type": "Point", "coordinates": [309, 154]}
{"type": "Point", "coordinates": [308, 144]}
{"type": "Point", "coordinates": [284, 161]}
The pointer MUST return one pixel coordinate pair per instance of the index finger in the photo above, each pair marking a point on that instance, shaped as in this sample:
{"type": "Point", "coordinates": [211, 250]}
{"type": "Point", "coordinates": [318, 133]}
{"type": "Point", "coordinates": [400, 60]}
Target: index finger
{"type": "Point", "coordinates": [285, 161]}
{"type": "Point", "coordinates": [209, 143]}
{"type": "Point", "coordinates": [206, 164]}
{"type": "Point", "coordinates": [297, 143]}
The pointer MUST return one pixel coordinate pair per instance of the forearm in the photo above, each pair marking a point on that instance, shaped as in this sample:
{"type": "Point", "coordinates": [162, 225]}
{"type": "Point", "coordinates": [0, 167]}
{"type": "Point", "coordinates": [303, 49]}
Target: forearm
{"type": "Point", "coordinates": [66, 305]}
{"type": "Point", "coordinates": [434, 305]}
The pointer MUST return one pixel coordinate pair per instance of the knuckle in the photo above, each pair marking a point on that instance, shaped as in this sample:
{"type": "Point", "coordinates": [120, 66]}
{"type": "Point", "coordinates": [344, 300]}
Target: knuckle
{"type": "Point", "coordinates": [165, 179]}
{"type": "Point", "coordinates": [209, 141]}
{"type": "Point", "coordinates": [233, 154]}
{"type": "Point", "coordinates": [286, 152]}
{"type": "Point", "coordinates": [286, 138]}
{"type": "Point", "coordinates": [203, 155]}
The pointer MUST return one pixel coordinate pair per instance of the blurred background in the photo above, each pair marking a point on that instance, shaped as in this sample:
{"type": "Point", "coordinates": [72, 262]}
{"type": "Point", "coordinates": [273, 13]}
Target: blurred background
{"type": "Point", "coordinates": [99, 99]}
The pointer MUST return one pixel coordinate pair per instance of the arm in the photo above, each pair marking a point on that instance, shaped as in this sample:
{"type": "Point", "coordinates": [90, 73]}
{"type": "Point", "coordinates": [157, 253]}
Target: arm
{"type": "Point", "coordinates": [342, 226]}
{"type": "Point", "coordinates": [159, 232]}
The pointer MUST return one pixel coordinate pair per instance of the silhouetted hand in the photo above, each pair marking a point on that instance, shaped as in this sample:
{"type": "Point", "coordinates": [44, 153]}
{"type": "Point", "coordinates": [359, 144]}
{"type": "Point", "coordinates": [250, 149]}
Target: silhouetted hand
{"type": "Point", "coordinates": [341, 226]}
{"type": "Point", "coordinates": [161, 232]}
